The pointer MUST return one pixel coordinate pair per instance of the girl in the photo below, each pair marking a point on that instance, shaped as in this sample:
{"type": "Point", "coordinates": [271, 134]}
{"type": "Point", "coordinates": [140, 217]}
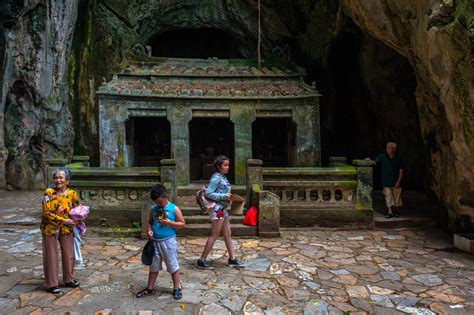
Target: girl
{"type": "Point", "coordinates": [219, 191]}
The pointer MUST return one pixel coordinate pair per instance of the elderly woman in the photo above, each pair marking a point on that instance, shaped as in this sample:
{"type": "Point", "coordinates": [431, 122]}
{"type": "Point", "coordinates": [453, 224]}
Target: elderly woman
{"type": "Point", "coordinates": [57, 226]}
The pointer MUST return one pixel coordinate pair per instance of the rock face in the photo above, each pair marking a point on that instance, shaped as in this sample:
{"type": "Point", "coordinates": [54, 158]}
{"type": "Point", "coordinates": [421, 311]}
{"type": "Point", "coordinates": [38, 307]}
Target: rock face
{"type": "Point", "coordinates": [34, 117]}
{"type": "Point", "coordinates": [437, 39]}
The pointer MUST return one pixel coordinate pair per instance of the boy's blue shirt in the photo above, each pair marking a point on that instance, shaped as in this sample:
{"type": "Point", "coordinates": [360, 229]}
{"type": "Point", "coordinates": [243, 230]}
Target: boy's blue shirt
{"type": "Point", "coordinates": [161, 232]}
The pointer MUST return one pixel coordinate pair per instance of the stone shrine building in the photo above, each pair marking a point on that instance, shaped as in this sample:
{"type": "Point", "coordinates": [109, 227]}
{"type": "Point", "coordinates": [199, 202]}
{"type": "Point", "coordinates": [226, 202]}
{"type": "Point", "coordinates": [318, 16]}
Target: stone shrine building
{"type": "Point", "coordinates": [192, 110]}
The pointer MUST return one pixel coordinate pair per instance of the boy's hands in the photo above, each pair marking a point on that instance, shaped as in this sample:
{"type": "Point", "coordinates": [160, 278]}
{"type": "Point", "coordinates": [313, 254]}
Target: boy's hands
{"type": "Point", "coordinates": [166, 222]}
{"type": "Point", "coordinates": [150, 233]}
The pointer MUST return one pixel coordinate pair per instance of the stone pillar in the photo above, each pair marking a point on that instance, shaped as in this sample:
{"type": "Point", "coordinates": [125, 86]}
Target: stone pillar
{"type": "Point", "coordinates": [306, 119]}
{"type": "Point", "coordinates": [364, 184]}
{"type": "Point", "coordinates": [254, 177]}
{"type": "Point", "coordinates": [242, 117]}
{"type": "Point", "coordinates": [268, 214]}
{"type": "Point", "coordinates": [112, 144]}
{"type": "Point", "coordinates": [179, 117]}
{"type": "Point", "coordinates": [168, 177]}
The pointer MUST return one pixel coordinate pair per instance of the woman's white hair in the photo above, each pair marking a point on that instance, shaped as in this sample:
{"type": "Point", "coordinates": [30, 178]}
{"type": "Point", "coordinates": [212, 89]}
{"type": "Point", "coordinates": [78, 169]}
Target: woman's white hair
{"type": "Point", "coordinates": [393, 144]}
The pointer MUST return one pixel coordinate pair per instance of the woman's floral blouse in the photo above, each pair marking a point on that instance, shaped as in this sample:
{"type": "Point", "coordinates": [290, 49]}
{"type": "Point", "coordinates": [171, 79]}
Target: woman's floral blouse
{"type": "Point", "coordinates": [52, 220]}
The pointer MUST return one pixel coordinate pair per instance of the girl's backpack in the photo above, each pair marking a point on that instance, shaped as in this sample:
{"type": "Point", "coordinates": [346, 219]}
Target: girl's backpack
{"type": "Point", "coordinates": [206, 205]}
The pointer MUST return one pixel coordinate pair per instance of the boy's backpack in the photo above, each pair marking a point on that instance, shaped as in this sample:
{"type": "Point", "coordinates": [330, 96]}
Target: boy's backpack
{"type": "Point", "coordinates": [206, 205]}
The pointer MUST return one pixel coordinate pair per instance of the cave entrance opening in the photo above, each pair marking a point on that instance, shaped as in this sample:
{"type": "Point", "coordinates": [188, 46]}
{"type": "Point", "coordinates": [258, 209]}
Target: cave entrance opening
{"type": "Point", "coordinates": [371, 101]}
{"type": "Point", "coordinates": [200, 43]}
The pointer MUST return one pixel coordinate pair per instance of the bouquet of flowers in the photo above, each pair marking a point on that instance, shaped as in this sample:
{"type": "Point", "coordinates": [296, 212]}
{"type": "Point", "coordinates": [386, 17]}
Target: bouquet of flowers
{"type": "Point", "coordinates": [79, 214]}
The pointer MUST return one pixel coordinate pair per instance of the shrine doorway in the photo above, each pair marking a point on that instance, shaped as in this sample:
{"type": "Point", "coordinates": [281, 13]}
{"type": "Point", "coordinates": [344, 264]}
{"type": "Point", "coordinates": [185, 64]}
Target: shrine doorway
{"type": "Point", "coordinates": [208, 138]}
{"type": "Point", "coordinates": [274, 141]}
{"type": "Point", "coordinates": [148, 141]}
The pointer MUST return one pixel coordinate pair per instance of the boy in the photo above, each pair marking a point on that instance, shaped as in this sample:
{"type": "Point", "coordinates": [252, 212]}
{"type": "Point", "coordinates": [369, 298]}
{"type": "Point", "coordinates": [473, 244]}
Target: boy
{"type": "Point", "coordinates": [164, 219]}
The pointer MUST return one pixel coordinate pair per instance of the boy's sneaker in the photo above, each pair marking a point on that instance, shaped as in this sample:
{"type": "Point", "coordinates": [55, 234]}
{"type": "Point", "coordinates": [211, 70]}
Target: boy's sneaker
{"type": "Point", "coordinates": [235, 263]}
{"type": "Point", "coordinates": [203, 264]}
{"type": "Point", "coordinates": [177, 294]}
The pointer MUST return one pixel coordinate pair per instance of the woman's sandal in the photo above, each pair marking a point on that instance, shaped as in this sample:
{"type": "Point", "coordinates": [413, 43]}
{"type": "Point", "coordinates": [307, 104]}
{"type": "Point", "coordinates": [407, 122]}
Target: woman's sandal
{"type": "Point", "coordinates": [72, 284]}
{"type": "Point", "coordinates": [144, 293]}
{"type": "Point", "coordinates": [55, 290]}
{"type": "Point", "coordinates": [177, 294]}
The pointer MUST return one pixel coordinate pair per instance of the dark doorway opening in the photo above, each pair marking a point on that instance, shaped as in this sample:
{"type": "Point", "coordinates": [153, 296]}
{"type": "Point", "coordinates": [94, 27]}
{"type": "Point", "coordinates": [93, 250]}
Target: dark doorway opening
{"type": "Point", "coordinates": [369, 101]}
{"type": "Point", "coordinates": [208, 138]}
{"type": "Point", "coordinates": [194, 43]}
{"type": "Point", "coordinates": [274, 141]}
{"type": "Point", "coordinates": [148, 140]}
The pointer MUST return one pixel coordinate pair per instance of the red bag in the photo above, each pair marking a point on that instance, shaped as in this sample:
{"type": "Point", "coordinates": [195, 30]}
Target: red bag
{"type": "Point", "coordinates": [250, 218]}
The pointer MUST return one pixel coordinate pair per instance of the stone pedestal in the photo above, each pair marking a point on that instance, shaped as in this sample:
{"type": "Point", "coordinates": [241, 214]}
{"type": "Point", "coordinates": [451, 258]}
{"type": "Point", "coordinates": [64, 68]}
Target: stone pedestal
{"type": "Point", "coordinates": [464, 242]}
{"type": "Point", "coordinates": [268, 214]}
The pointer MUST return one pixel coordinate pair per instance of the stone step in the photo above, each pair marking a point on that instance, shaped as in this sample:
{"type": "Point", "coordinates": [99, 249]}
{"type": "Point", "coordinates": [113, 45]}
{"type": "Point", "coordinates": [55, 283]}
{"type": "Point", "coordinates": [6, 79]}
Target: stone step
{"type": "Point", "coordinates": [204, 218]}
{"type": "Point", "coordinates": [205, 230]}
{"type": "Point", "coordinates": [404, 221]}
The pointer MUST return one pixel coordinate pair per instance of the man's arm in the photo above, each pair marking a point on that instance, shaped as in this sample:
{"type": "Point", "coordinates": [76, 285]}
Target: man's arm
{"type": "Point", "coordinates": [399, 180]}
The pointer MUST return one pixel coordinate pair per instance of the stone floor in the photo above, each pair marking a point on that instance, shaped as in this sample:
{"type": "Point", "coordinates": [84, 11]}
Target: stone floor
{"type": "Point", "coordinates": [378, 271]}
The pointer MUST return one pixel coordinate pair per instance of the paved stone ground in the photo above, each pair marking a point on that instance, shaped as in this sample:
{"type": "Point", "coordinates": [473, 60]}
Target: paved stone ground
{"type": "Point", "coordinates": [311, 272]}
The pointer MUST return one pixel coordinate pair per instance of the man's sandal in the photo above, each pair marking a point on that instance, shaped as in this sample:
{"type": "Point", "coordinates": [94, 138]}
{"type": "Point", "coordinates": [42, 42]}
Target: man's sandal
{"type": "Point", "coordinates": [55, 290]}
{"type": "Point", "coordinates": [389, 215]}
{"type": "Point", "coordinates": [144, 293]}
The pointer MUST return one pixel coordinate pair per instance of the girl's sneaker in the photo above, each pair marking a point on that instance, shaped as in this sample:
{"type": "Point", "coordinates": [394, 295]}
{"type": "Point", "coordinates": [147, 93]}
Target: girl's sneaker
{"type": "Point", "coordinates": [203, 264]}
{"type": "Point", "coordinates": [235, 263]}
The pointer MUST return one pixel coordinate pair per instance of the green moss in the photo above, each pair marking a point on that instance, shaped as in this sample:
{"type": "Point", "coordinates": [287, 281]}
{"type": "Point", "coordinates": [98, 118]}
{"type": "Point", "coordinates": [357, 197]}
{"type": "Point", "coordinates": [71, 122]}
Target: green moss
{"type": "Point", "coordinates": [256, 188]}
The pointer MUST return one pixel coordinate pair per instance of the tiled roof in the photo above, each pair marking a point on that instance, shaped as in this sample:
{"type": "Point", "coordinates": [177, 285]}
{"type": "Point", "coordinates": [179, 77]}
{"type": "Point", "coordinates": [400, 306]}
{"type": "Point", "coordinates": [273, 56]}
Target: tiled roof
{"type": "Point", "coordinates": [208, 68]}
{"type": "Point", "coordinates": [189, 78]}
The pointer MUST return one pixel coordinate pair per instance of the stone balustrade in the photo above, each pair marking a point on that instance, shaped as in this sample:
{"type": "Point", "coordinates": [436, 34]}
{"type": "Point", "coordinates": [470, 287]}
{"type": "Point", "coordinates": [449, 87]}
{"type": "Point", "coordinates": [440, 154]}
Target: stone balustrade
{"type": "Point", "coordinates": [330, 196]}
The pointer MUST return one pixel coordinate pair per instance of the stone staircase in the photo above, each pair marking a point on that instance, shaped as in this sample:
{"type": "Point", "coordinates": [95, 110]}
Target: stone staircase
{"type": "Point", "coordinates": [417, 211]}
{"type": "Point", "coordinates": [198, 224]}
